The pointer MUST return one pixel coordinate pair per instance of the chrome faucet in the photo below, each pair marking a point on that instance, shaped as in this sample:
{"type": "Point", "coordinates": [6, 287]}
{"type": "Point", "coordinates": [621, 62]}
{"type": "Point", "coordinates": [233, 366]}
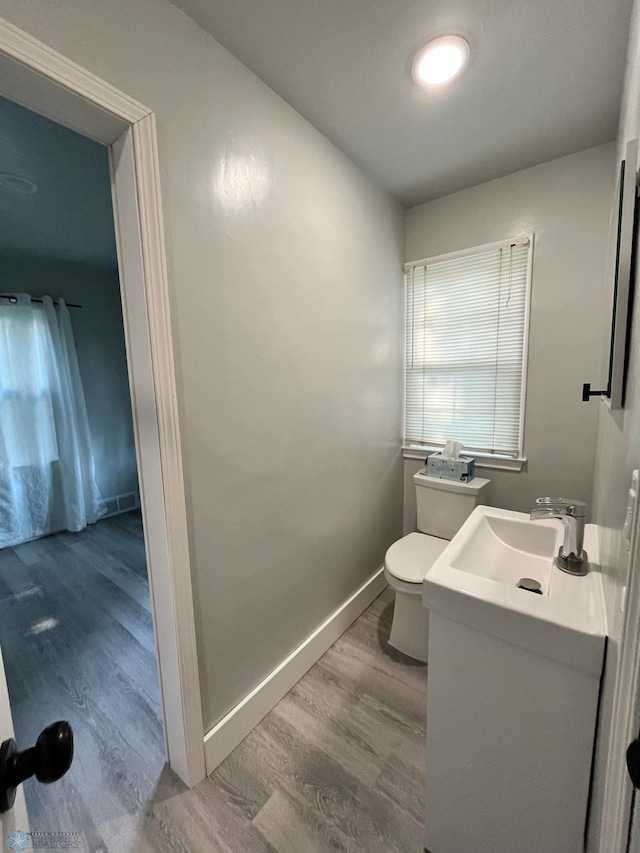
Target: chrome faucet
{"type": "Point", "coordinates": [571, 557]}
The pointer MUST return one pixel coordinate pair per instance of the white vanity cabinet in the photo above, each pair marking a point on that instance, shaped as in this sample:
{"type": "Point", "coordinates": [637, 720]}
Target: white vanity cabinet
{"type": "Point", "coordinates": [512, 694]}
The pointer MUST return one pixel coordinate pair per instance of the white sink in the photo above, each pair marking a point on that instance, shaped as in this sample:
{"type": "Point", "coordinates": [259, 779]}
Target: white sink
{"type": "Point", "coordinates": [475, 580]}
{"type": "Point", "coordinates": [513, 688]}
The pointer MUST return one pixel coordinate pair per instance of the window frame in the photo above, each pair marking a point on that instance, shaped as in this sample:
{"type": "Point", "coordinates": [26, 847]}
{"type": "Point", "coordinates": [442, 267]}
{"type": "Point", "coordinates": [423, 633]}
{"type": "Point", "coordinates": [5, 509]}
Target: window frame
{"type": "Point", "coordinates": [485, 459]}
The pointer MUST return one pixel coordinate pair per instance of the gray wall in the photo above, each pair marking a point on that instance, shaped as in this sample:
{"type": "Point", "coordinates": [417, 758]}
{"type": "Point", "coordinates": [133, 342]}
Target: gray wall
{"type": "Point", "coordinates": [566, 203]}
{"type": "Point", "coordinates": [618, 453]}
{"type": "Point", "coordinates": [99, 336]}
{"type": "Point", "coordinates": [285, 270]}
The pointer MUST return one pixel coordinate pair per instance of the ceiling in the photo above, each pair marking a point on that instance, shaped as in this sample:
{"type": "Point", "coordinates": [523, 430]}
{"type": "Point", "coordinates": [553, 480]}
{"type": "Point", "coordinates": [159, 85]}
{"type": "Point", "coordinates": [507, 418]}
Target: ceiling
{"type": "Point", "coordinates": [70, 216]}
{"type": "Point", "coordinates": [544, 80]}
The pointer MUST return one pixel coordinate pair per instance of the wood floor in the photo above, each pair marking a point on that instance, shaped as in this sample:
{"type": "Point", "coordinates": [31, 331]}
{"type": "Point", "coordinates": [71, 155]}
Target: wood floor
{"type": "Point", "coordinates": [336, 766]}
{"type": "Point", "coordinates": [77, 641]}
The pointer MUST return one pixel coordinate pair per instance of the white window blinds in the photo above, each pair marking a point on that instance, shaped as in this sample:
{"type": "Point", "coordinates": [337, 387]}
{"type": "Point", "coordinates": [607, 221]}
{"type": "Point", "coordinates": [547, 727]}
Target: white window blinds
{"type": "Point", "coordinates": [466, 319]}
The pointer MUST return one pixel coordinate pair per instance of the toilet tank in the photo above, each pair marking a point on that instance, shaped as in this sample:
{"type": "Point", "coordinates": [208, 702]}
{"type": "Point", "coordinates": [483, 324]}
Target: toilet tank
{"type": "Point", "coordinates": [444, 505]}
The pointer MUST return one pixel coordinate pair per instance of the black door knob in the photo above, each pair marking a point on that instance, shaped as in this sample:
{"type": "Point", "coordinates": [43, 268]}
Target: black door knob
{"type": "Point", "coordinates": [633, 762]}
{"type": "Point", "coordinates": [48, 761]}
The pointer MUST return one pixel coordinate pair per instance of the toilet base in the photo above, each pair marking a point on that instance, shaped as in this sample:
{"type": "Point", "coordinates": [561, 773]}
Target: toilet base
{"type": "Point", "coordinates": [410, 627]}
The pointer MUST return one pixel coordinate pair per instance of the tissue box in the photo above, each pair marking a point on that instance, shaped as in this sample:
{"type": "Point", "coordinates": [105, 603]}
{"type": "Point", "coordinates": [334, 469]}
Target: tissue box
{"type": "Point", "coordinates": [462, 470]}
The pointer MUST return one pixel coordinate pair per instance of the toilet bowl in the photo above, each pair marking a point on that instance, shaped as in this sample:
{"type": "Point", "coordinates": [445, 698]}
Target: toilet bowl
{"type": "Point", "coordinates": [405, 565]}
{"type": "Point", "coordinates": [442, 507]}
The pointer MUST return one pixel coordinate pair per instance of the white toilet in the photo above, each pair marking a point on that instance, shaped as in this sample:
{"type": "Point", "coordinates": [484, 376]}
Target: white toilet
{"type": "Point", "coordinates": [442, 508]}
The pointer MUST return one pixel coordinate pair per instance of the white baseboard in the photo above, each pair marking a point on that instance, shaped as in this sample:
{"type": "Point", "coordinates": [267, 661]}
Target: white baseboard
{"type": "Point", "coordinates": [236, 725]}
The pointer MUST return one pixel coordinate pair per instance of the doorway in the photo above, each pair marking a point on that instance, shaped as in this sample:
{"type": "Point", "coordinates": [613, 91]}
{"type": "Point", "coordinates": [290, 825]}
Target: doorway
{"type": "Point", "coordinates": [76, 626]}
{"type": "Point", "coordinates": [34, 76]}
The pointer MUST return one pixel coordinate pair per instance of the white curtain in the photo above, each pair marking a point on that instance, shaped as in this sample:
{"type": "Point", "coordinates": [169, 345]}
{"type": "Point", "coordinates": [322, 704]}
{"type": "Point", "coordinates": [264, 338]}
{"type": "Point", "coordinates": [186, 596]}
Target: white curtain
{"type": "Point", "coordinates": [47, 480]}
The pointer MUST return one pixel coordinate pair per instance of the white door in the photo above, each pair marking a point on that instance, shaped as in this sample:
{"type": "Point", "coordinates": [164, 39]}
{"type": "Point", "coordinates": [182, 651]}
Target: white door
{"type": "Point", "coordinates": [14, 824]}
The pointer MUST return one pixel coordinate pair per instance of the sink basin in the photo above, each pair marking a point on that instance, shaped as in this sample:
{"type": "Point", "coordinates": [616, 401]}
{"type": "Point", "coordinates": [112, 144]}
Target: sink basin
{"type": "Point", "coordinates": [508, 549]}
{"type": "Point", "coordinates": [475, 581]}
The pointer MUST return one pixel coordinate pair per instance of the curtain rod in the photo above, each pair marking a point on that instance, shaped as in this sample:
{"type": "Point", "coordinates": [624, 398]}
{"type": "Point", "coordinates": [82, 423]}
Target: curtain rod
{"type": "Point", "coordinates": [33, 299]}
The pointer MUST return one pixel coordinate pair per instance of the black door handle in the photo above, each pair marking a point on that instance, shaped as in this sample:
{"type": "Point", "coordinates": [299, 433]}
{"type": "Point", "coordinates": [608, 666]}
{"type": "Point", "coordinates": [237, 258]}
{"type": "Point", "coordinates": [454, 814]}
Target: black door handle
{"type": "Point", "coordinates": [633, 762]}
{"type": "Point", "coordinates": [48, 761]}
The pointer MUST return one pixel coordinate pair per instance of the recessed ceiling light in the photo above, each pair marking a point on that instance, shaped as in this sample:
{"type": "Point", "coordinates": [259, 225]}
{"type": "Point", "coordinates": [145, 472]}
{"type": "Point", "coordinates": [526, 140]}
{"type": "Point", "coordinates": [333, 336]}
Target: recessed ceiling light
{"type": "Point", "coordinates": [17, 184]}
{"type": "Point", "coordinates": [440, 60]}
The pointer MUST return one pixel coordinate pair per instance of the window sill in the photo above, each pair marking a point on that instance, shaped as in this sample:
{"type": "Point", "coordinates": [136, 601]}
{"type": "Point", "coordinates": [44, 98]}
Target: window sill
{"type": "Point", "coordinates": [483, 460]}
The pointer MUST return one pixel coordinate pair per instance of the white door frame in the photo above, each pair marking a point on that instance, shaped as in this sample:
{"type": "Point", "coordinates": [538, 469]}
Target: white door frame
{"type": "Point", "coordinates": [37, 77]}
{"type": "Point", "coordinates": [617, 796]}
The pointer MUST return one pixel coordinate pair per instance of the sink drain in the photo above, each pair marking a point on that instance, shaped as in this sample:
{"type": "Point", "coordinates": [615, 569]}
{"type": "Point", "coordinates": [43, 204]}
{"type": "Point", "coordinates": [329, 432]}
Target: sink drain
{"type": "Point", "coordinates": [530, 585]}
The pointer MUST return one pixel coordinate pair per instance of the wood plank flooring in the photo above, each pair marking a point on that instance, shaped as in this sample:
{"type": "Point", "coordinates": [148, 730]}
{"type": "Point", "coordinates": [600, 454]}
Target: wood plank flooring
{"type": "Point", "coordinates": [77, 640]}
{"type": "Point", "coordinates": [336, 766]}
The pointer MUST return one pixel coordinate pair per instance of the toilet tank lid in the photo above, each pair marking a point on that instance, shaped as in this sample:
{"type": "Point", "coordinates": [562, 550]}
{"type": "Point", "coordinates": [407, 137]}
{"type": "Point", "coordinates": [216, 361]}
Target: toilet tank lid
{"type": "Point", "coordinates": [473, 488]}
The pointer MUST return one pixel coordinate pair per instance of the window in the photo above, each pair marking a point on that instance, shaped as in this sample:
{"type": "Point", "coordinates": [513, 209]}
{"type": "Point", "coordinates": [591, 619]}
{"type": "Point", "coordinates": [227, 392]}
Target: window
{"type": "Point", "coordinates": [27, 428]}
{"type": "Point", "coordinates": [466, 343]}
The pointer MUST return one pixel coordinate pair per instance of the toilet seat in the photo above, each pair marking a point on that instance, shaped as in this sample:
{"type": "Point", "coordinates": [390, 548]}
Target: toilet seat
{"type": "Point", "coordinates": [410, 558]}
